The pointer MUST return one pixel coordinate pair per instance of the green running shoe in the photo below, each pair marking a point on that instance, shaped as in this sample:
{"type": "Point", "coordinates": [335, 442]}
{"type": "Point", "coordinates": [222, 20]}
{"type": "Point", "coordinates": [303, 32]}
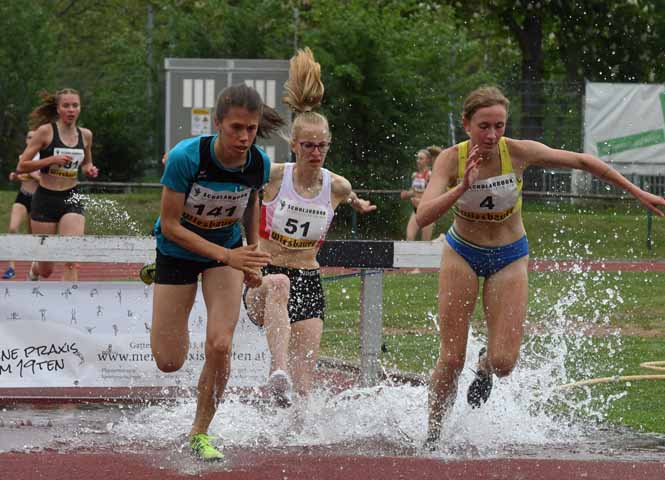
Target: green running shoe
{"type": "Point", "coordinates": [147, 273]}
{"type": "Point", "coordinates": [201, 447]}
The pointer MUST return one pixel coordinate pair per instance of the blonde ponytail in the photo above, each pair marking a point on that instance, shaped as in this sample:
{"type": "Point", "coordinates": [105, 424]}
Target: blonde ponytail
{"type": "Point", "coordinates": [304, 91]}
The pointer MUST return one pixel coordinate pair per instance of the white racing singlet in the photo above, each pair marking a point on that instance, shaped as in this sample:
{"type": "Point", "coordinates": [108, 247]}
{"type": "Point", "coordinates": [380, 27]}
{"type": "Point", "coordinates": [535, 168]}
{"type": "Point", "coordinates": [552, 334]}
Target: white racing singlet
{"type": "Point", "coordinates": [419, 180]}
{"type": "Point", "coordinates": [294, 221]}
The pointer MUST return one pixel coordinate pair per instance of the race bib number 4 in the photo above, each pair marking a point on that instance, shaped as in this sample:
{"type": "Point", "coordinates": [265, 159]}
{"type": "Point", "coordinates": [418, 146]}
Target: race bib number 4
{"type": "Point", "coordinates": [211, 209]}
{"type": "Point", "coordinates": [492, 199]}
{"type": "Point", "coordinates": [70, 169]}
{"type": "Point", "coordinates": [298, 226]}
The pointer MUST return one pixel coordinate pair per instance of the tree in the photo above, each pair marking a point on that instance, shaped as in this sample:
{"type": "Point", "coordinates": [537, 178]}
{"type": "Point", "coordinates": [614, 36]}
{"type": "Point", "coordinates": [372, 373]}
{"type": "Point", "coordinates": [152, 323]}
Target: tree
{"type": "Point", "coordinates": [24, 46]}
{"type": "Point", "coordinates": [595, 39]}
{"type": "Point", "coordinates": [392, 70]}
{"type": "Point", "coordinates": [613, 41]}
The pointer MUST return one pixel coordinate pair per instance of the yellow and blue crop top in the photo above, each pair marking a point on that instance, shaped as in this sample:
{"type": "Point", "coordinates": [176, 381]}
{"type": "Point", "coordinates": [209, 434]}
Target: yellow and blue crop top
{"type": "Point", "coordinates": [491, 199]}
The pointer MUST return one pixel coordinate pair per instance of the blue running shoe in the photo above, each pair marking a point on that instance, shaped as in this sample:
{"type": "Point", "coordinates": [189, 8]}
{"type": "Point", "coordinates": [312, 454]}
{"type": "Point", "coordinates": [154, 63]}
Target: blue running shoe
{"type": "Point", "coordinates": [9, 274]}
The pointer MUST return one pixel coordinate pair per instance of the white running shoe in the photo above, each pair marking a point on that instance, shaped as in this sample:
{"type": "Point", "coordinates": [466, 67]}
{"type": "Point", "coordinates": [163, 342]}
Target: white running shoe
{"type": "Point", "coordinates": [32, 276]}
{"type": "Point", "coordinates": [280, 388]}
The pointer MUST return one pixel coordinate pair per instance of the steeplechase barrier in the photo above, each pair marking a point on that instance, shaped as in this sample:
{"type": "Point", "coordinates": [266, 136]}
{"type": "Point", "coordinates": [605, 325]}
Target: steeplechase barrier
{"type": "Point", "coordinates": [47, 309]}
{"type": "Point", "coordinates": [368, 259]}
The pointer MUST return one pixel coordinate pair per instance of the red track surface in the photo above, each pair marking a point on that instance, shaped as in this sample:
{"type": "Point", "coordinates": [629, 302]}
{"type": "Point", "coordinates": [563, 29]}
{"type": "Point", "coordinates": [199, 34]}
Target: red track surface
{"type": "Point", "coordinates": [303, 464]}
{"type": "Point", "coordinates": [313, 462]}
{"type": "Point", "coordinates": [119, 271]}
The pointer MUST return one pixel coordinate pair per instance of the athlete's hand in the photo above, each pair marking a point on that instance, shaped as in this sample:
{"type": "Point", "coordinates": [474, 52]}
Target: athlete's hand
{"type": "Point", "coordinates": [253, 278]}
{"type": "Point", "coordinates": [363, 206]}
{"type": "Point", "coordinates": [247, 259]}
{"type": "Point", "coordinates": [60, 159]}
{"type": "Point", "coordinates": [13, 177]}
{"type": "Point", "coordinates": [472, 169]}
{"type": "Point", "coordinates": [405, 194]}
{"type": "Point", "coordinates": [652, 202]}
{"type": "Point", "coordinates": [90, 170]}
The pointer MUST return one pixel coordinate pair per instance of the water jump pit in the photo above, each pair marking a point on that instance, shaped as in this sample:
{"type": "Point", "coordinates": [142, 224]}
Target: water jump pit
{"type": "Point", "coordinates": [529, 429]}
{"type": "Point", "coordinates": [341, 431]}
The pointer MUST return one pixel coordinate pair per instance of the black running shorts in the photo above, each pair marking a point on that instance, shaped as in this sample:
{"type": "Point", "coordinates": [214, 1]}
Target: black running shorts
{"type": "Point", "coordinates": [25, 199]}
{"type": "Point", "coordinates": [50, 205]}
{"type": "Point", "coordinates": [306, 297]}
{"type": "Point", "coordinates": [181, 271]}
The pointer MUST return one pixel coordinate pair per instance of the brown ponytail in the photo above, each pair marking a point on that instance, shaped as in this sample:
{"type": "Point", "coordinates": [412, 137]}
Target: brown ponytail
{"type": "Point", "coordinates": [47, 111]}
{"type": "Point", "coordinates": [246, 97]}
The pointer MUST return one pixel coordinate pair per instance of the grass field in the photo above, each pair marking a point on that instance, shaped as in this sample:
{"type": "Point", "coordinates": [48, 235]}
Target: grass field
{"type": "Point", "coordinates": [587, 307]}
{"type": "Point", "coordinates": [564, 230]}
{"type": "Point", "coordinates": [631, 302]}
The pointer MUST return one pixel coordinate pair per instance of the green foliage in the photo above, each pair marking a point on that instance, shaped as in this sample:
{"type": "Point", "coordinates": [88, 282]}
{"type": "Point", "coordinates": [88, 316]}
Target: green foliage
{"type": "Point", "coordinates": [560, 40]}
{"type": "Point", "coordinates": [26, 51]}
{"type": "Point", "coordinates": [624, 44]}
{"type": "Point", "coordinates": [389, 70]}
{"type": "Point", "coordinates": [412, 342]}
{"type": "Point", "coordinates": [224, 29]}
{"type": "Point", "coordinates": [107, 63]}
{"type": "Point", "coordinates": [394, 70]}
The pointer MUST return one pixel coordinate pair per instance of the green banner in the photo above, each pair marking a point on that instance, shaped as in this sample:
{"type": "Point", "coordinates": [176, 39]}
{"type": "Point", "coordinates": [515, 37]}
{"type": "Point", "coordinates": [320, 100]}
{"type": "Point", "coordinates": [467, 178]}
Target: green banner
{"type": "Point", "coordinates": [630, 142]}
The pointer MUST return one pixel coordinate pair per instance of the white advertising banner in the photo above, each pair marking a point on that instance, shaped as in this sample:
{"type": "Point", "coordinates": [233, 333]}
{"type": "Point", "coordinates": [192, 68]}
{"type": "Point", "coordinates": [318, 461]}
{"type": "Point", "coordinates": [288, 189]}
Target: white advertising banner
{"type": "Point", "coordinates": [97, 334]}
{"type": "Point", "coordinates": [624, 124]}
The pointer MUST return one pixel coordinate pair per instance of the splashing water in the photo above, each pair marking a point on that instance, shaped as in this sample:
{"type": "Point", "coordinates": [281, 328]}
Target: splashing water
{"type": "Point", "coordinates": [107, 217]}
{"type": "Point", "coordinates": [526, 415]}
{"type": "Point", "coordinates": [526, 412]}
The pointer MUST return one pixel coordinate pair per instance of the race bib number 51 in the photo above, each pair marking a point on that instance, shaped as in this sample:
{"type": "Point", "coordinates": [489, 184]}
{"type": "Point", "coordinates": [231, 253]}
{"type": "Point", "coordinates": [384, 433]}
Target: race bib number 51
{"type": "Point", "coordinates": [298, 226]}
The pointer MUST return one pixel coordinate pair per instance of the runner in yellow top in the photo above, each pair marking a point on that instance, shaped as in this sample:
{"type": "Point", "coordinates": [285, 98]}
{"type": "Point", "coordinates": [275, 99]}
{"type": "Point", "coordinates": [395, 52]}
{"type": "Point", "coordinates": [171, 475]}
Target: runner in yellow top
{"type": "Point", "coordinates": [481, 181]}
{"type": "Point", "coordinates": [493, 199]}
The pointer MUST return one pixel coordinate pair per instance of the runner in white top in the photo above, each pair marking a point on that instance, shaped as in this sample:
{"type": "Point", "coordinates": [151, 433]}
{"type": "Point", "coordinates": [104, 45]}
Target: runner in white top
{"type": "Point", "coordinates": [21, 207]}
{"type": "Point", "coordinates": [299, 204]}
{"type": "Point", "coordinates": [419, 180]}
{"type": "Point", "coordinates": [294, 221]}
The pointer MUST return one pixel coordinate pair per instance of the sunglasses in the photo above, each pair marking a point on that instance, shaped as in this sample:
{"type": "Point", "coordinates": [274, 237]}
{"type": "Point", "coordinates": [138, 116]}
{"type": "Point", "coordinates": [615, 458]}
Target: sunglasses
{"type": "Point", "coordinates": [310, 146]}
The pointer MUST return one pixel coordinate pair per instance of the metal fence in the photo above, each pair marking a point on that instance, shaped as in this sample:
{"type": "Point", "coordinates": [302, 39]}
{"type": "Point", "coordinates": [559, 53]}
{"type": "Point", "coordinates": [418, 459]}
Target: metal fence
{"type": "Point", "coordinates": [548, 182]}
{"type": "Point", "coordinates": [556, 118]}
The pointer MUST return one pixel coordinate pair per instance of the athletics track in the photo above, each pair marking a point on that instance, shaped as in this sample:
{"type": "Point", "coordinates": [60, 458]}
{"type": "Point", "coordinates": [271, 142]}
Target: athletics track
{"type": "Point", "coordinates": [311, 464]}
{"type": "Point", "coordinates": [376, 460]}
{"type": "Point", "coordinates": [115, 271]}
